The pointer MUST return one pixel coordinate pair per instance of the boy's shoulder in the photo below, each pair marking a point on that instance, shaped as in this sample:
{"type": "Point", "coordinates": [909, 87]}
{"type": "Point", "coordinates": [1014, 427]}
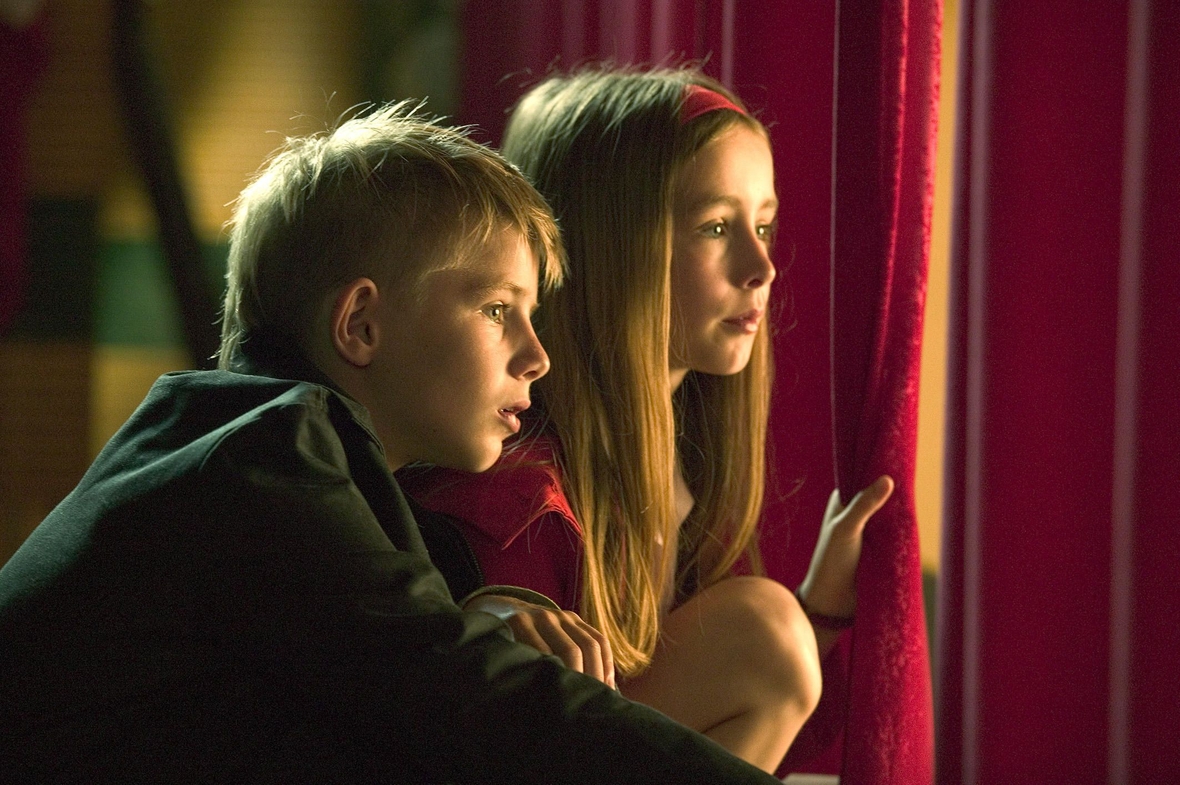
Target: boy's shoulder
{"type": "Point", "coordinates": [231, 391]}
{"type": "Point", "coordinates": [191, 420]}
{"type": "Point", "coordinates": [211, 458]}
{"type": "Point", "coordinates": [188, 403]}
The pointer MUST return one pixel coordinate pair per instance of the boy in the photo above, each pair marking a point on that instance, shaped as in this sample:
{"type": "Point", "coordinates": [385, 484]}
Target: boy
{"type": "Point", "coordinates": [237, 589]}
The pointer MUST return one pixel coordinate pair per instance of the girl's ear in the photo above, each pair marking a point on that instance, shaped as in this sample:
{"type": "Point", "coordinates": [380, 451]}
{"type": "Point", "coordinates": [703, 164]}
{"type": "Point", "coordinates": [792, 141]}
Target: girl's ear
{"type": "Point", "coordinates": [354, 326]}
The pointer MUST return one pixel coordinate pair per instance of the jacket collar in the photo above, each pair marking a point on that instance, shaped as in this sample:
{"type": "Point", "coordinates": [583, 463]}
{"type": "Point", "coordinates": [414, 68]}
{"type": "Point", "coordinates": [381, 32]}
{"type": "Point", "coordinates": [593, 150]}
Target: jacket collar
{"type": "Point", "coordinates": [269, 353]}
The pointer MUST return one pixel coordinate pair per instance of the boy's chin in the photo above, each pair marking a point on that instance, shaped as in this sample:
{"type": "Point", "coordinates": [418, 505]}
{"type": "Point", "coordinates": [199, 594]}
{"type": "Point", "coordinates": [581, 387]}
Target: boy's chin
{"type": "Point", "coordinates": [483, 466]}
{"type": "Point", "coordinates": [476, 460]}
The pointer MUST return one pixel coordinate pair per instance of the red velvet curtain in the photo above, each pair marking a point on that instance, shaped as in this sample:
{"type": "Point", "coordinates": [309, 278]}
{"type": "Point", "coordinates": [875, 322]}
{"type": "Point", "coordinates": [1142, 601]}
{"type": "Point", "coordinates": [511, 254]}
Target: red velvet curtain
{"type": "Point", "coordinates": [1059, 650]}
{"type": "Point", "coordinates": [886, 112]}
{"type": "Point", "coordinates": [783, 58]}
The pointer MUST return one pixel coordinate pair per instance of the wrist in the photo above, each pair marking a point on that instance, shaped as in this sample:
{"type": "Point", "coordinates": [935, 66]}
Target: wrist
{"type": "Point", "coordinates": [511, 592]}
{"type": "Point", "coordinates": [824, 621]}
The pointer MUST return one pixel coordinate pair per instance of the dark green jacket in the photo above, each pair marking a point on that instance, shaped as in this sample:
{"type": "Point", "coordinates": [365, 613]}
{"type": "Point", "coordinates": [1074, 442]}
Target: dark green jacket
{"type": "Point", "coordinates": [237, 591]}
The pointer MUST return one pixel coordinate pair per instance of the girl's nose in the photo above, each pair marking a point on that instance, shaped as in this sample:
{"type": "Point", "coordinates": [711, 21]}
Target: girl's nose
{"type": "Point", "coordinates": [757, 268]}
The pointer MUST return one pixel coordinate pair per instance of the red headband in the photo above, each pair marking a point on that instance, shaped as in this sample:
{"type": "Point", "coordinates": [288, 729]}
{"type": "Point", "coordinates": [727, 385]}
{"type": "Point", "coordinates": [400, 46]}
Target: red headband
{"type": "Point", "coordinates": [701, 100]}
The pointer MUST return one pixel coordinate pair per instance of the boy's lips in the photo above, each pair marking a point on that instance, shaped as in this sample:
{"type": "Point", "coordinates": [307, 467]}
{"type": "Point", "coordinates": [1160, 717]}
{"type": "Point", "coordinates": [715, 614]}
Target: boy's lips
{"type": "Point", "coordinates": [746, 322]}
{"type": "Point", "coordinates": [509, 414]}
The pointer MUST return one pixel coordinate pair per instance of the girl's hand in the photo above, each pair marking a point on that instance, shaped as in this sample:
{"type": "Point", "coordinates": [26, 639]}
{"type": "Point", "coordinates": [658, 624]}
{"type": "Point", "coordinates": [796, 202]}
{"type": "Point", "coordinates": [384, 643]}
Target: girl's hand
{"type": "Point", "coordinates": [830, 585]}
{"type": "Point", "coordinates": [561, 633]}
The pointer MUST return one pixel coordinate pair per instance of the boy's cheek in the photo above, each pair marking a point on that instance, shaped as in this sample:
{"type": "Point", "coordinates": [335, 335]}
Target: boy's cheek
{"type": "Point", "coordinates": [476, 428]}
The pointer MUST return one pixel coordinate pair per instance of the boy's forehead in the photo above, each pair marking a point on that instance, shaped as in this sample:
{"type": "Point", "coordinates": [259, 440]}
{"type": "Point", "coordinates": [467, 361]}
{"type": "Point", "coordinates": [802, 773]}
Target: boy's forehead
{"type": "Point", "coordinates": [505, 263]}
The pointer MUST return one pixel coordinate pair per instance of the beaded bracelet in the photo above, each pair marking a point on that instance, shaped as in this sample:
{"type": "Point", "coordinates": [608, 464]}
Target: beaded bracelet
{"type": "Point", "coordinates": [823, 620]}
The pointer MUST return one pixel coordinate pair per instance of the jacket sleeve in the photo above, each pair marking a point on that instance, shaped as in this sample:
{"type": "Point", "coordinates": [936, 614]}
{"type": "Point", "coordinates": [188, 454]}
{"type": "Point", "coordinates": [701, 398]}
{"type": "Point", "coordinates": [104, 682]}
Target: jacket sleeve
{"type": "Point", "coordinates": [368, 656]}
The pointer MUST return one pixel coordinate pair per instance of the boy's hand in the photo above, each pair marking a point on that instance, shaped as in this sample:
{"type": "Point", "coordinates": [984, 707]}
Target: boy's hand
{"type": "Point", "coordinates": [830, 585]}
{"type": "Point", "coordinates": [561, 633]}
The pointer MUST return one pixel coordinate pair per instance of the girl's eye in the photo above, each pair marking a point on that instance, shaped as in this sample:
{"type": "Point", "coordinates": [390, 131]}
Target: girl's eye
{"type": "Point", "coordinates": [495, 312]}
{"type": "Point", "coordinates": [716, 229]}
{"type": "Point", "coordinates": [766, 232]}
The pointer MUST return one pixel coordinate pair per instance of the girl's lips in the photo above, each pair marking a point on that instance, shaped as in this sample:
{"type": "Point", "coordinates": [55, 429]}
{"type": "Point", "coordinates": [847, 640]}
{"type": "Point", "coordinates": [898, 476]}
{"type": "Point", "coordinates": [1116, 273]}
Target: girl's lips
{"type": "Point", "coordinates": [747, 322]}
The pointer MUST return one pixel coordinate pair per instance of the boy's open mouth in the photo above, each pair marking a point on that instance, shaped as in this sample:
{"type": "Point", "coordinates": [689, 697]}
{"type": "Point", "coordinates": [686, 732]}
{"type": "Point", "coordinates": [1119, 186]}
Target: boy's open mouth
{"type": "Point", "coordinates": [509, 415]}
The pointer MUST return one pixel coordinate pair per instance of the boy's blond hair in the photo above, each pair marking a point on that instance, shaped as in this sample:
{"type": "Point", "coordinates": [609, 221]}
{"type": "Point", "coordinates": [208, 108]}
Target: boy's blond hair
{"type": "Point", "coordinates": [389, 195]}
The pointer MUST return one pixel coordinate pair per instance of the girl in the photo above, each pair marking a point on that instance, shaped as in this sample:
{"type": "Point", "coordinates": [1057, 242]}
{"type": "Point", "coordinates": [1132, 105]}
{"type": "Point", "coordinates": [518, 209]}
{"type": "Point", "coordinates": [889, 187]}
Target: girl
{"type": "Point", "coordinates": [634, 494]}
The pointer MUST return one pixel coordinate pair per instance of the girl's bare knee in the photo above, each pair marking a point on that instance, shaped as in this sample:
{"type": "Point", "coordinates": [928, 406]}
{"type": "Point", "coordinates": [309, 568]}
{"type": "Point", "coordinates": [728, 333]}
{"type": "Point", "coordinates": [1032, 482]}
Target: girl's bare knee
{"type": "Point", "coordinates": [777, 639]}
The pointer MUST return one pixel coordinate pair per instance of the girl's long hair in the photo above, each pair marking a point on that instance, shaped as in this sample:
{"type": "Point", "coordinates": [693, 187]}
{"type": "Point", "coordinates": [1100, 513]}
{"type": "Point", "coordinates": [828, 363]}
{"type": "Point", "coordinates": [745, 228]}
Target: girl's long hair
{"type": "Point", "coordinates": [604, 148]}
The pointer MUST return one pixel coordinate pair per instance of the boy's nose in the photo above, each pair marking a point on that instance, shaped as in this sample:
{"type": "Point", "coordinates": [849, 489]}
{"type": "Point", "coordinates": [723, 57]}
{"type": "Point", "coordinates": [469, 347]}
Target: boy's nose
{"type": "Point", "coordinates": [532, 359]}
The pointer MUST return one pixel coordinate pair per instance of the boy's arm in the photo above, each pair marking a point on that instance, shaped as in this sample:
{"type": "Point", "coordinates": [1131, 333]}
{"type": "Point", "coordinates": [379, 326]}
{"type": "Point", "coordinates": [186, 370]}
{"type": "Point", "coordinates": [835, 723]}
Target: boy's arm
{"type": "Point", "coordinates": [534, 619]}
{"type": "Point", "coordinates": [449, 551]}
{"type": "Point", "coordinates": [367, 636]}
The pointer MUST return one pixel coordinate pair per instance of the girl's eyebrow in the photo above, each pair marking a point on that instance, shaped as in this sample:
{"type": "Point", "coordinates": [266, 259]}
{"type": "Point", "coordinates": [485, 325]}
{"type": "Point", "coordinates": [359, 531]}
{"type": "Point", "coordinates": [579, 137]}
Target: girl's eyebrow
{"type": "Point", "coordinates": [728, 201]}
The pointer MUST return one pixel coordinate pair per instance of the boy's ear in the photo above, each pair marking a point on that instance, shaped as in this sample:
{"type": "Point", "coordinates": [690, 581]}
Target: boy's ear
{"type": "Point", "coordinates": [354, 327]}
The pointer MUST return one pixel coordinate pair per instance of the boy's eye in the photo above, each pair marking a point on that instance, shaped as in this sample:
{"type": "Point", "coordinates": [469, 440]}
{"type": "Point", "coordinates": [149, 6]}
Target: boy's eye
{"type": "Point", "coordinates": [495, 312]}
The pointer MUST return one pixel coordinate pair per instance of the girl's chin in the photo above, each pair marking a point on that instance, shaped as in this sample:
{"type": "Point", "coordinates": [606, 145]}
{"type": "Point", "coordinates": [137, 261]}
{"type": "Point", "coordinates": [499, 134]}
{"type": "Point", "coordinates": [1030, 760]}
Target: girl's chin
{"type": "Point", "coordinates": [723, 368]}
{"type": "Point", "coordinates": [719, 363]}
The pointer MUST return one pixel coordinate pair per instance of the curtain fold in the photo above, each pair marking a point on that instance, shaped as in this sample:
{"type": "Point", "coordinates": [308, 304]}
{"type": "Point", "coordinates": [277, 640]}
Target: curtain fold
{"type": "Point", "coordinates": [886, 99]}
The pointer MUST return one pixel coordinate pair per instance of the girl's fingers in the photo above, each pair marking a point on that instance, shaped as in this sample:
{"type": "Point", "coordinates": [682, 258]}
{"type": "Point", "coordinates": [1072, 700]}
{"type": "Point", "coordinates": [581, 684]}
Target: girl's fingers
{"type": "Point", "coordinates": [834, 507]}
{"type": "Point", "coordinates": [863, 505]}
{"type": "Point", "coordinates": [873, 497]}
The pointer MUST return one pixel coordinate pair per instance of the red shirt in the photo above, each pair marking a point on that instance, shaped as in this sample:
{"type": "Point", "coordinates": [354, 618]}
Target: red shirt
{"type": "Point", "coordinates": [515, 516]}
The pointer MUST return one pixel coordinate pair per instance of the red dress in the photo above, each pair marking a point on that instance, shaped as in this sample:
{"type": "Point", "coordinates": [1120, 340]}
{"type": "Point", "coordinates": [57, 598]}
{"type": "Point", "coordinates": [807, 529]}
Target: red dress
{"type": "Point", "coordinates": [515, 516]}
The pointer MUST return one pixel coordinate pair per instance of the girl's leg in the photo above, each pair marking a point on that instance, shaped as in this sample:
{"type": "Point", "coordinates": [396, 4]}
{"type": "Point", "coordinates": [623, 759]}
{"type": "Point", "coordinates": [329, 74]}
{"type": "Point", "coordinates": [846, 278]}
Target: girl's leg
{"type": "Point", "coordinates": [737, 662]}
